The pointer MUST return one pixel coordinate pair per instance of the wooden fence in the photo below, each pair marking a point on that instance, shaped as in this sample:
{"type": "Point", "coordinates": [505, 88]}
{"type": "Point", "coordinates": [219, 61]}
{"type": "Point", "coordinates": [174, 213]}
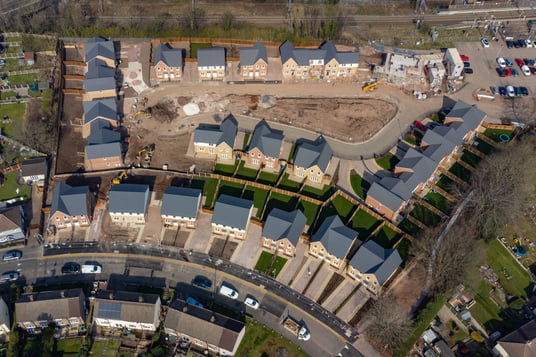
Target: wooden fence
{"type": "Point", "coordinates": [487, 125]}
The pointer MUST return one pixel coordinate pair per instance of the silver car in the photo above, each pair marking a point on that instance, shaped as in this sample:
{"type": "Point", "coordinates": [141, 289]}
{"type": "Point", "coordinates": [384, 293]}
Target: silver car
{"type": "Point", "coordinates": [12, 255]}
{"type": "Point", "coordinates": [9, 276]}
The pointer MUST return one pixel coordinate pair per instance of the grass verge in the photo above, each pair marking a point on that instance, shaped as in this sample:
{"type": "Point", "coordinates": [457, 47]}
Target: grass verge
{"type": "Point", "coordinates": [388, 161]}
{"type": "Point", "coordinates": [359, 184]}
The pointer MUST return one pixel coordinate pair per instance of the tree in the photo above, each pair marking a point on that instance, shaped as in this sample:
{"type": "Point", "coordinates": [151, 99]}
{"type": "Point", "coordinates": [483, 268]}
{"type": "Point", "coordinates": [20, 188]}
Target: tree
{"type": "Point", "coordinates": [38, 127]}
{"type": "Point", "coordinates": [14, 343]}
{"type": "Point", "coordinates": [389, 324]}
{"type": "Point", "coordinates": [521, 110]}
{"type": "Point", "coordinates": [228, 21]}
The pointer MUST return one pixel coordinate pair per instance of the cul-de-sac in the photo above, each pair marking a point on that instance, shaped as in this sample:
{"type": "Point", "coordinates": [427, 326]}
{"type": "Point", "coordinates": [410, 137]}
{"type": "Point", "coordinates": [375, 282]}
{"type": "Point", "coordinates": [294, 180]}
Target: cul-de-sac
{"type": "Point", "coordinates": [267, 178]}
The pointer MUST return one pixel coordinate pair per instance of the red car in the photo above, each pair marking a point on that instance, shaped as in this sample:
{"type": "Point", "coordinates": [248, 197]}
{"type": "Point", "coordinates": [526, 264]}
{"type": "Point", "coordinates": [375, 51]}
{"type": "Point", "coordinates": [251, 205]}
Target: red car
{"type": "Point", "coordinates": [465, 58]}
{"type": "Point", "coordinates": [420, 125]}
{"type": "Point", "coordinates": [520, 62]}
{"type": "Point", "coordinates": [508, 72]}
{"type": "Point", "coordinates": [532, 70]}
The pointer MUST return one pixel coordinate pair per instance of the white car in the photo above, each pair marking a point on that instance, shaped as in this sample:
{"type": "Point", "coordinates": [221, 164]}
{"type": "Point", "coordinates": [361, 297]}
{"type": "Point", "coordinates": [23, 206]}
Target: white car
{"type": "Point", "coordinates": [510, 91]}
{"type": "Point", "coordinates": [229, 292]}
{"type": "Point", "coordinates": [528, 43]}
{"type": "Point", "coordinates": [485, 42]}
{"type": "Point", "coordinates": [251, 302]}
{"type": "Point", "coordinates": [501, 62]}
{"type": "Point", "coordinates": [526, 70]}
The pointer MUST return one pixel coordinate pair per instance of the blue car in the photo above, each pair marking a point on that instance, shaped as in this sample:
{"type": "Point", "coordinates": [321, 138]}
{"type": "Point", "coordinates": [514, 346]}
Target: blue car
{"type": "Point", "coordinates": [501, 72]}
{"type": "Point", "coordinates": [202, 282]}
{"type": "Point", "coordinates": [190, 300]}
{"type": "Point", "coordinates": [515, 72]}
{"type": "Point", "coordinates": [502, 91]}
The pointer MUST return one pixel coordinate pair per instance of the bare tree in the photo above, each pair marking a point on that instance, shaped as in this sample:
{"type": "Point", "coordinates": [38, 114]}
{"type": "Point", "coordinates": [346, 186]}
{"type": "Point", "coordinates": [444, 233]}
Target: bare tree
{"type": "Point", "coordinates": [38, 127]}
{"type": "Point", "coordinates": [389, 324]}
{"type": "Point", "coordinates": [521, 110]}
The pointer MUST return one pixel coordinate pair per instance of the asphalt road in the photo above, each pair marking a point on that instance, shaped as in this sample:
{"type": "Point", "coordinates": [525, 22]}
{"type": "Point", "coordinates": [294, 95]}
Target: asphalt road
{"type": "Point", "coordinates": [145, 265]}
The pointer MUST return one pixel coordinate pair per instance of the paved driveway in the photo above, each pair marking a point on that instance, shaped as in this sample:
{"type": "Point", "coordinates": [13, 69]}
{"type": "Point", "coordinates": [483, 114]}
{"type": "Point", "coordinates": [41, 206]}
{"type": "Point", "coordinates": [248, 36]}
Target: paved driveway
{"type": "Point", "coordinates": [152, 229]}
{"type": "Point", "coordinates": [305, 274]}
{"type": "Point", "coordinates": [354, 304]}
{"type": "Point", "coordinates": [202, 236]}
{"type": "Point", "coordinates": [338, 295]}
{"type": "Point", "coordinates": [293, 265]}
{"type": "Point", "coordinates": [321, 279]}
{"type": "Point", "coordinates": [248, 251]}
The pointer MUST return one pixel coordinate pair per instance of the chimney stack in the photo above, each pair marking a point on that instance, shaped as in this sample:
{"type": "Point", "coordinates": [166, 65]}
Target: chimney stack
{"type": "Point", "coordinates": [111, 296]}
{"type": "Point", "coordinates": [62, 293]}
{"type": "Point", "coordinates": [31, 297]}
{"type": "Point", "coordinates": [140, 298]}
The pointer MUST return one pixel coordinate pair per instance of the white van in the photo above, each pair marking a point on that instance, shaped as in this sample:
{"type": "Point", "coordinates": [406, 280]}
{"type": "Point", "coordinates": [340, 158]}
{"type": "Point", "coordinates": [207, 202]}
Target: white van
{"type": "Point", "coordinates": [91, 269]}
{"type": "Point", "coordinates": [229, 292]}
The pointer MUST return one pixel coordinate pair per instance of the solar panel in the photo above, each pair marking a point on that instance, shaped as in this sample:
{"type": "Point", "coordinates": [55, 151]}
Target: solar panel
{"type": "Point", "coordinates": [109, 310]}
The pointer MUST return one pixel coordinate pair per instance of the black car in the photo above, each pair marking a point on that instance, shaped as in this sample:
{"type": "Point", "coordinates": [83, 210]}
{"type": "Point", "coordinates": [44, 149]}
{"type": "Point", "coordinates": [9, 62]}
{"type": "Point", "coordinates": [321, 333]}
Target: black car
{"type": "Point", "coordinates": [509, 44]}
{"type": "Point", "coordinates": [467, 64]}
{"type": "Point", "coordinates": [524, 91]}
{"type": "Point", "coordinates": [529, 61]}
{"type": "Point", "coordinates": [502, 91]}
{"type": "Point", "coordinates": [70, 268]}
{"type": "Point", "coordinates": [501, 72]}
{"type": "Point", "coordinates": [517, 91]}
{"type": "Point", "coordinates": [202, 282]}
{"type": "Point", "coordinates": [519, 43]}
{"type": "Point", "coordinates": [468, 70]}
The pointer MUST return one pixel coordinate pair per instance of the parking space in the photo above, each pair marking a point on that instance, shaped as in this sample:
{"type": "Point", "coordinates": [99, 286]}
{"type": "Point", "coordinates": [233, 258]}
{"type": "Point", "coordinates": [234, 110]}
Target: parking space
{"type": "Point", "coordinates": [201, 238]}
{"type": "Point", "coordinates": [152, 229]}
{"type": "Point", "coordinates": [338, 296]}
{"type": "Point", "coordinates": [249, 250]}
{"type": "Point", "coordinates": [222, 247]}
{"type": "Point", "coordinates": [319, 283]}
{"type": "Point", "coordinates": [293, 265]}
{"type": "Point", "coordinates": [175, 237]}
{"type": "Point", "coordinates": [305, 275]}
{"type": "Point", "coordinates": [354, 304]}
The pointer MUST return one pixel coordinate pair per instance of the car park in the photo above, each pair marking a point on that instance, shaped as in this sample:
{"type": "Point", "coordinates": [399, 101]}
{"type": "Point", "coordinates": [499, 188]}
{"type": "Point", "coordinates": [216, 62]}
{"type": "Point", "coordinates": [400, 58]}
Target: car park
{"type": "Point", "coordinates": [520, 62]}
{"type": "Point", "coordinates": [251, 302]}
{"type": "Point", "coordinates": [502, 91]}
{"type": "Point", "coordinates": [494, 90]}
{"type": "Point", "coordinates": [517, 91]}
{"type": "Point", "coordinates": [510, 91]}
{"type": "Point", "coordinates": [468, 70]}
{"type": "Point", "coordinates": [515, 72]}
{"type": "Point", "coordinates": [501, 62]}
{"type": "Point", "coordinates": [228, 291]}
{"type": "Point", "coordinates": [12, 255]}
{"type": "Point", "coordinates": [467, 64]}
{"type": "Point", "coordinates": [501, 72]}
{"type": "Point", "coordinates": [9, 276]}
{"type": "Point", "coordinates": [70, 268]}
{"type": "Point", "coordinates": [526, 70]}
{"type": "Point", "coordinates": [465, 58]}
{"type": "Point", "coordinates": [524, 91]}
{"type": "Point", "coordinates": [508, 61]}
{"type": "Point", "coordinates": [202, 282]}
{"type": "Point", "coordinates": [485, 42]}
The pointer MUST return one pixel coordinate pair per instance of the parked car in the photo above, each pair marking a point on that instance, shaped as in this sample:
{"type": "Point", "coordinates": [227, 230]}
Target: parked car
{"type": "Point", "coordinates": [251, 302]}
{"type": "Point", "coordinates": [508, 61]}
{"type": "Point", "coordinates": [502, 91]}
{"type": "Point", "coordinates": [524, 91]}
{"type": "Point", "coordinates": [190, 300]}
{"type": "Point", "coordinates": [9, 276]}
{"type": "Point", "coordinates": [70, 268]}
{"type": "Point", "coordinates": [533, 70]}
{"type": "Point", "coordinates": [509, 43]}
{"type": "Point", "coordinates": [2, 62]}
{"type": "Point", "coordinates": [485, 42]}
{"type": "Point", "coordinates": [517, 91]}
{"type": "Point", "coordinates": [202, 282]}
{"type": "Point", "coordinates": [228, 291]}
{"type": "Point", "coordinates": [12, 255]}
{"type": "Point", "coordinates": [526, 70]}
{"type": "Point", "coordinates": [419, 125]}
{"type": "Point", "coordinates": [501, 62]}
{"type": "Point", "coordinates": [494, 90]}
{"type": "Point", "coordinates": [518, 43]}
{"type": "Point", "coordinates": [501, 72]}
{"type": "Point", "coordinates": [508, 72]}
{"type": "Point", "coordinates": [520, 62]}
{"type": "Point", "coordinates": [468, 70]}
{"type": "Point", "coordinates": [510, 91]}
{"type": "Point", "coordinates": [529, 61]}
{"type": "Point", "coordinates": [528, 43]}
{"type": "Point", "coordinates": [467, 64]}
{"type": "Point", "coordinates": [515, 72]}
{"type": "Point", "coordinates": [465, 58]}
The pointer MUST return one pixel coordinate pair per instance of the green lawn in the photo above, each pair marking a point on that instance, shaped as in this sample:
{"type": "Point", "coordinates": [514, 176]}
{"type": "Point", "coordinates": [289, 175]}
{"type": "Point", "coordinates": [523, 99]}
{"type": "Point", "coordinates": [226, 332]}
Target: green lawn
{"type": "Point", "coordinates": [359, 185]}
{"type": "Point", "coordinates": [245, 173]}
{"type": "Point", "coordinates": [284, 202]}
{"type": "Point", "coordinates": [387, 161]}
{"type": "Point", "coordinates": [409, 227]}
{"type": "Point", "coordinates": [410, 139]}
{"type": "Point", "coordinates": [16, 113]}
{"type": "Point", "coordinates": [289, 185]}
{"type": "Point", "coordinates": [27, 78]}
{"type": "Point", "coordinates": [263, 264]}
{"type": "Point", "coordinates": [494, 134]}
{"type": "Point", "coordinates": [291, 153]}
{"type": "Point", "coordinates": [424, 215]}
{"type": "Point", "coordinates": [403, 249]}
{"type": "Point", "coordinates": [446, 183]}
{"type": "Point", "coordinates": [7, 94]}
{"type": "Point", "coordinates": [310, 210]}
{"type": "Point", "coordinates": [386, 237]}
{"type": "Point", "coordinates": [12, 64]}
{"type": "Point", "coordinates": [484, 147]}
{"type": "Point", "coordinates": [246, 141]}
{"type": "Point", "coordinates": [313, 192]}
{"type": "Point", "coordinates": [194, 46]}
{"type": "Point", "coordinates": [9, 189]}
{"type": "Point", "coordinates": [208, 185]}
{"type": "Point", "coordinates": [69, 346]}
{"type": "Point", "coordinates": [364, 223]}
{"type": "Point", "coordinates": [438, 201]}
{"type": "Point", "coordinates": [226, 170]}
{"type": "Point", "coordinates": [267, 178]}
{"type": "Point", "coordinates": [471, 158]}
{"type": "Point", "coordinates": [230, 188]}
{"type": "Point", "coordinates": [460, 171]}
{"type": "Point", "coordinates": [111, 346]}
{"type": "Point", "coordinates": [257, 195]}
{"type": "Point", "coordinates": [339, 206]}
{"type": "Point", "coordinates": [262, 341]}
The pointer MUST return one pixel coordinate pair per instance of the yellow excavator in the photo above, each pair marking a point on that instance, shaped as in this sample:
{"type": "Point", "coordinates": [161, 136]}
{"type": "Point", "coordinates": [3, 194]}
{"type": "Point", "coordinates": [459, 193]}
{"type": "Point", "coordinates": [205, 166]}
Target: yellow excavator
{"type": "Point", "coordinates": [369, 87]}
{"type": "Point", "coordinates": [120, 178]}
{"type": "Point", "coordinates": [147, 150]}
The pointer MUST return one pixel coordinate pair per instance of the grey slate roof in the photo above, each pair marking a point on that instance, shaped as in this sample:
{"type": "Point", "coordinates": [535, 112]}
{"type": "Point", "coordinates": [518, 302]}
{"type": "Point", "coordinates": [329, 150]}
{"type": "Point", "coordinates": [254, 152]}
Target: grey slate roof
{"type": "Point", "coordinates": [326, 52]}
{"type": "Point", "coordinates": [335, 236]}
{"type": "Point", "coordinates": [384, 196]}
{"type": "Point", "coordinates": [97, 68]}
{"type": "Point", "coordinates": [232, 212]}
{"type": "Point", "coordinates": [34, 166]}
{"type": "Point", "coordinates": [102, 133]}
{"type": "Point", "coordinates": [98, 46]}
{"type": "Point", "coordinates": [281, 224]}
{"type": "Point", "coordinates": [70, 200]}
{"type": "Point", "coordinates": [99, 84]}
{"type": "Point", "coordinates": [101, 108]}
{"type": "Point", "coordinates": [371, 258]}
{"type": "Point", "coordinates": [206, 325]}
{"type": "Point", "coordinates": [521, 342]}
{"type": "Point", "coordinates": [11, 218]}
{"type": "Point", "coordinates": [250, 55]}
{"type": "Point", "coordinates": [129, 198]}
{"type": "Point", "coordinates": [50, 305]}
{"type": "Point", "coordinates": [309, 153]}
{"type": "Point", "coordinates": [127, 306]}
{"type": "Point", "coordinates": [172, 57]}
{"type": "Point", "coordinates": [266, 139]}
{"type": "Point", "coordinates": [212, 134]}
{"type": "Point", "coordinates": [181, 201]}
{"type": "Point", "coordinates": [99, 151]}
{"type": "Point", "coordinates": [214, 56]}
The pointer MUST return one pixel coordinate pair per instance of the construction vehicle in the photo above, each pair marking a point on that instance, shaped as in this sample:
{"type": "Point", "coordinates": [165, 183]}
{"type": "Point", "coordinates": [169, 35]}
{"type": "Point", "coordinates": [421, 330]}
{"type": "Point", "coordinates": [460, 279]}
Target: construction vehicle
{"type": "Point", "coordinates": [296, 328]}
{"type": "Point", "coordinates": [147, 150]}
{"type": "Point", "coordinates": [370, 86]}
{"type": "Point", "coordinates": [120, 178]}
{"type": "Point", "coordinates": [145, 155]}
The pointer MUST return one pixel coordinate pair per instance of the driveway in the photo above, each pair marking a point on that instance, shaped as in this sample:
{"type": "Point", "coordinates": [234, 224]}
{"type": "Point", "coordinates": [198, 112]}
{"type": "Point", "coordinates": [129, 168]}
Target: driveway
{"type": "Point", "coordinates": [152, 229]}
{"type": "Point", "coordinates": [249, 250]}
{"type": "Point", "coordinates": [201, 238]}
{"type": "Point", "coordinates": [293, 265]}
{"type": "Point", "coordinates": [305, 274]}
{"type": "Point", "coordinates": [354, 304]}
{"type": "Point", "coordinates": [338, 296]}
{"type": "Point", "coordinates": [320, 281]}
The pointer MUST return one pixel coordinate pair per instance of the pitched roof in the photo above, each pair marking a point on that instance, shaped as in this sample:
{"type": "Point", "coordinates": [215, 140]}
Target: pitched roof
{"type": "Point", "coordinates": [49, 305]}
{"type": "Point", "coordinates": [102, 133]}
{"type": "Point", "coordinates": [250, 55]}
{"type": "Point", "coordinates": [128, 198]}
{"type": "Point", "coordinates": [11, 219]}
{"type": "Point", "coordinates": [206, 325]}
{"type": "Point", "coordinates": [521, 342]}
{"type": "Point", "coordinates": [101, 108]}
{"type": "Point", "coordinates": [127, 306]}
{"type": "Point", "coordinates": [99, 151]}
{"type": "Point", "coordinates": [232, 212]}
{"type": "Point", "coordinates": [384, 196]}
{"type": "Point", "coordinates": [371, 258]}
{"type": "Point", "coordinates": [214, 56]}
{"type": "Point", "coordinates": [99, 84]}
{"type": "Point", "coordinates": [310, 153]}
{"type": "Point", "coordinates": [181, 202]}
{"type": "Point", "coordinates": [281, 224]}
{"type": "Point", "coordinates": [70, 200]}
{"type": "Point", "coordinates": [97, 68]}
{"type": "Point", "coordinates": [266, 139]}
{"type": "Point", "coordinates": [172, 57]}
{"type": "Point", "coordinates": [99, 47]}
{"type": "Point", "coordinates": [335, 236]}
{"type": "Point", "coordinates": [326, 52]}
{"type": "Point", "coordinates": [215, 135]}
{"type": "Point", "coordinates": [34, 166]}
